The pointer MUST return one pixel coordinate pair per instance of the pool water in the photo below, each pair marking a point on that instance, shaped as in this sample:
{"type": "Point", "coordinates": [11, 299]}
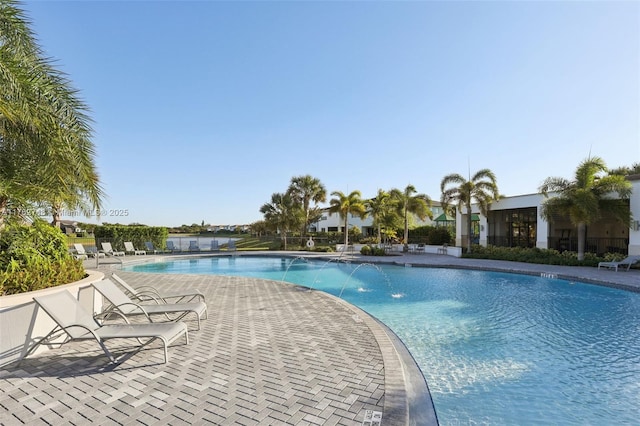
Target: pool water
{"type": "Point", "coordinates": [495, 348]}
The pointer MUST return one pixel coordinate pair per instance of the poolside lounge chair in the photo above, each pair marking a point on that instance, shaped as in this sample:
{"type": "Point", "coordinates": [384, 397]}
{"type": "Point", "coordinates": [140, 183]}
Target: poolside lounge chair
{"type": "Point", "coordinates": [193, 246]}
{"type": "Point", "coordinates": [630, 260]}
{"type": "Point", "coordinates": [72, 319]}
{"type": "Point", "coordinates": [231, 245]}
{"type": "Point", "coordinates": [171, 247]}
{"type": "Point", "coordinates": [108, 250]}
{"type": "Point", "coordinates": [123, 306]}
{"type": "Point", "coordinates": [78, 256]}
{"type": "Point", "coordinates": [214, 245]}
{"type": "Point", "coordinates": [129, 248]}
{"type": "Point", "coordinates": [150, 247]}
{"type": "Point", "coordinates": [80, 251]}
{"type": "Point", "coordinates": [147, 292]}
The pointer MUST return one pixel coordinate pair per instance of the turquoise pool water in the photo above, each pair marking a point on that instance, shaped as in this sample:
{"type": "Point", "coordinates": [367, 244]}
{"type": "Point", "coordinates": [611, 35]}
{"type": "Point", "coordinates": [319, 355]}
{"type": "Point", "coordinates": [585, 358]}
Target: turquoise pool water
{"type": "Point", "coordinates": [495, 348]}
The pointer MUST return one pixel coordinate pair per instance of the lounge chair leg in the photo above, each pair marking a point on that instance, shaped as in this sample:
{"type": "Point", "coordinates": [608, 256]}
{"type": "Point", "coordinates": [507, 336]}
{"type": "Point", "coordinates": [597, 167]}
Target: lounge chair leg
{"type": "Point", "coordinates": [106, 351]}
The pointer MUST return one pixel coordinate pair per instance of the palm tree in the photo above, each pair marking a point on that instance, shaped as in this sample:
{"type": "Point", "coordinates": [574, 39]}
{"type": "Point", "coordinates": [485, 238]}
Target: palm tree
{"type": "Point", "coordinates": [46, 153]}
{"type": "Point", "coordinates": [345, 205]}
{"type": "Point", "coordinates": [281, 214]}
{"type": "Point", "coordinates": [634, 169]}
{"type": "Point", "coordinates": [481, 188]}
{"type": "Point", "coordinates": [407, 203]}
{"type": "Point", "coordinates": [304, 190]}
{"type": "Point", "coordinates": [378, 208]}
{"type": "Point", "coordinates": [584, 199]}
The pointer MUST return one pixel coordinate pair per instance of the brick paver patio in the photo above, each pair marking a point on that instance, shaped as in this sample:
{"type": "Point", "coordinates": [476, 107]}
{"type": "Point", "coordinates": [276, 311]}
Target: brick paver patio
{"type": "Point", "coordinates": [269, 354]}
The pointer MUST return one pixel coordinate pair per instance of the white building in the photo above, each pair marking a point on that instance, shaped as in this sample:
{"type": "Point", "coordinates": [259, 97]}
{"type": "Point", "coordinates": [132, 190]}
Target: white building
{"type": "Point", "coordinates": [516, 221]}
{"type": "Point", "coordinates": [331, 222]}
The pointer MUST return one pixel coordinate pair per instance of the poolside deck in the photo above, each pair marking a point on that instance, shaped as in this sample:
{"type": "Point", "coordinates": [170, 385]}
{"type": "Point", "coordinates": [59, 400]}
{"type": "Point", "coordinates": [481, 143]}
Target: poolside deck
{"type": "Point", "coordinates": [270, 353]}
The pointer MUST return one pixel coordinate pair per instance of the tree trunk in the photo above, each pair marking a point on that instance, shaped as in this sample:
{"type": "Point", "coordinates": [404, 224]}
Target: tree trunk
{"type": "Point", "coordinates": [582, 236]}
{"type": "Point", "coordinates": [468, 229]}
{"type": "Point", "coordinates": [379, 235]}
{"type": "Point", "coordinates": [346, 231]}
{"type": "Point", "coordinates": [406, 232]}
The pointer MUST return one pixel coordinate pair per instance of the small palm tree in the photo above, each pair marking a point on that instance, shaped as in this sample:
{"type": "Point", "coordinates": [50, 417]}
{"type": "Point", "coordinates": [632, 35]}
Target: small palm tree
{"type": "Point", "coordinates": [281, 214]}
{"type": "Point", "coordinates": [345, 205]}
{"type": "Point", "coordinates": [305, 190]}
{"type": "Point", "coordinates": [481, 188]}
{"type": "Point", "coordinates": [378, 207]}
{"type": "Point", "coordinates": [584, 199]}
{"type": "Point", "coordinates": [407, 203]}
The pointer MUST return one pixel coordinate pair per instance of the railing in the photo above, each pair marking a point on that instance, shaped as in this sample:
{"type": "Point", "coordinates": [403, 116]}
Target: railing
{"type": "Point", "coordinates": [592, 245]}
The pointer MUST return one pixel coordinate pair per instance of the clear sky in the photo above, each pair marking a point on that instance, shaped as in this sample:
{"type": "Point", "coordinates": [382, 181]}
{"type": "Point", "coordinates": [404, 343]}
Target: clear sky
{"type": "Point", "coordinates": [203, 109]}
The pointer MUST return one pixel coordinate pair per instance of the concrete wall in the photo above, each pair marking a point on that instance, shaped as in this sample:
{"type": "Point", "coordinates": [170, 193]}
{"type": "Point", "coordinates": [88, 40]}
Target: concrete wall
{"type": "Point", "coordinates": [22, 323]}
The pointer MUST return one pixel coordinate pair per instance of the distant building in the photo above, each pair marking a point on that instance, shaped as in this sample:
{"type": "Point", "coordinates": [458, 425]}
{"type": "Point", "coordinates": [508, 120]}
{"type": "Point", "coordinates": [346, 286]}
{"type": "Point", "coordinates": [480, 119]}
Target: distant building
{"type": "Point", "coordinates": [331, 222]}
{"type": "Point", "coordinates": [69, 227]}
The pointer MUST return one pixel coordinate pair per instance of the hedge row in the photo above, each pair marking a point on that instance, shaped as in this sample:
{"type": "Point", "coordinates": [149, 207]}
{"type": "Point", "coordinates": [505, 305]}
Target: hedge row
{"type": "Point", "coordinates": [138, 235]}
{"type": "Point", "coordinates": [537, 255]}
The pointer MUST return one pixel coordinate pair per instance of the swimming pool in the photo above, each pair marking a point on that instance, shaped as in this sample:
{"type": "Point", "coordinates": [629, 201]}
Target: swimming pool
{"type": "Point", "coordinates": [495, 348]}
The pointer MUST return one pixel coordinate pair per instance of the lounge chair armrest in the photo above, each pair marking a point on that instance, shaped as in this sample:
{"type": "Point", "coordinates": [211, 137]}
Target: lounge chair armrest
{"type": "Point", "coordinates": [102, 316]}
{"type": "Point", "coordinates": [138, 307]}
{"type": "Point", "coordinates": [146, 297]}
{"type": "Point", "coordinates": [148, 289]}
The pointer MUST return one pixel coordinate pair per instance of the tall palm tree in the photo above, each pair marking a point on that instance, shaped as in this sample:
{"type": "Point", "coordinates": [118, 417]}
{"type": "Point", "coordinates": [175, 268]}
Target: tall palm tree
{"type": "Point", "coordinates": [584, 199]}
{"type": "Point", "coordinates": [345, 205]}
{"type": "Point", "coordinates": [46, 153]}
{"type": "Point", "coordinates": [281, 214]}
{"type": "Point", "coordinates": [378, 208]}
{"type": "Point", "coordinates": [481, 188]}
{"type": "Point", "coordinates": [305, 190]}
{"type": "Point", "coordinates": [407, 203]}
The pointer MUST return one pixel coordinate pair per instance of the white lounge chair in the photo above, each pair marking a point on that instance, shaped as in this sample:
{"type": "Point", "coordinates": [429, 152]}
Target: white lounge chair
{"type": "Point", "coordinates": [129, 248]}
{"type": "Point", "coordinates": [78, 256]}
{"type": "Point", "coordinates": [630, 260]}
{"type": "Point", "coordinates": [108, 250]}
{"type": "Point", "coordinates": [147, 292]}
{"type": "Point", "coordinates": [72, 319]}
{"type": "Point", "coordinates": [123, 306]}
{"type": "Point", "coordinates": [80, 251]}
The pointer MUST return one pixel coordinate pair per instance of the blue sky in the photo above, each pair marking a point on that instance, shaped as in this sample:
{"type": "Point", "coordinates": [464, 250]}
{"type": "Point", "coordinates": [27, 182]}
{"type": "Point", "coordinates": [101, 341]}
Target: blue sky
{"type": "Point", "coordinates": [203, 109]}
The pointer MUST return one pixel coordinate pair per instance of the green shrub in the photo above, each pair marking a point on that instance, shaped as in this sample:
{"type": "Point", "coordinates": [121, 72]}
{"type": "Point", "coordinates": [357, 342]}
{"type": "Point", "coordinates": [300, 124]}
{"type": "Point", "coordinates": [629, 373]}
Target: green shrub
{"type": "Point", "coordinates": [377, 251]}
{"type": "Point", "coordinates": [372, 251]}
{"type": "Point", "coordinates": [439, 236]}
{"type": "Point", "coordinates": [534, 255]}
{"type": "Point", "coordinates": [369, 240]}
{"type": "Point", "coordinates": [35, 257]}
